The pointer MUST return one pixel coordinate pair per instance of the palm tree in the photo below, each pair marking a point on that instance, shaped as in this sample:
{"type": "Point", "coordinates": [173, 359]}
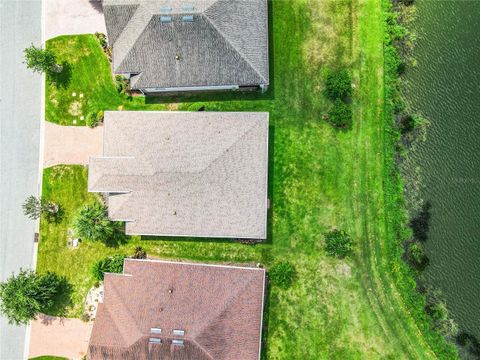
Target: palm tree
{"type": "Point", "coordinates": [92, 223]}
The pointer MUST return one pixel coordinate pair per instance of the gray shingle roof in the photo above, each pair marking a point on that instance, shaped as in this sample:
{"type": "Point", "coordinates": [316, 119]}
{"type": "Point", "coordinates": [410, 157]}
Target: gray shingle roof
{"type": "Point", "coordinates": [225, 44]}
{"type": "Point", "coordinates": [185, 173]}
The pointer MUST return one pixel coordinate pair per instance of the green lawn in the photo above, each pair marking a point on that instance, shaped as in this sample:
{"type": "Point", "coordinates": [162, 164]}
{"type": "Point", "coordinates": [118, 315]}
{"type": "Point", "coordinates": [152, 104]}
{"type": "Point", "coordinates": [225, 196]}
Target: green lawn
{"type": "Point", "coordinates": [86, 75]}
{"type": "Point", "coordinates": [320, 178]}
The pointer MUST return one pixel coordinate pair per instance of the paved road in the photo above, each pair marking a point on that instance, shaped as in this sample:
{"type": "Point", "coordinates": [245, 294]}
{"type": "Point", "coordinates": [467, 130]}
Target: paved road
{"type": "Point", "coordinates": [20, 106]}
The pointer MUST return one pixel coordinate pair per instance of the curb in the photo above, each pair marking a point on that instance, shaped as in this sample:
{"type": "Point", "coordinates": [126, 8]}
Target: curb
{"type": "Point", "coordinates": [40, 171]}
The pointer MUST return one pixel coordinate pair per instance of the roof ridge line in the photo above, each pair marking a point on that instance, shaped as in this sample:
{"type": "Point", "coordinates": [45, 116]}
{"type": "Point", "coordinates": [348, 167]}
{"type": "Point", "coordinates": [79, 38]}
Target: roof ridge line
{"type": "Point", "coordinates": [224, 152]}
{"type": "Point", "coordinates": [230, 43]}
{"type": "Point", "coordinates": [139, 9]}
{"type": "Point", "coordinates": [198, 172]}
{"type": "Point", "coordinates": [202, 348]}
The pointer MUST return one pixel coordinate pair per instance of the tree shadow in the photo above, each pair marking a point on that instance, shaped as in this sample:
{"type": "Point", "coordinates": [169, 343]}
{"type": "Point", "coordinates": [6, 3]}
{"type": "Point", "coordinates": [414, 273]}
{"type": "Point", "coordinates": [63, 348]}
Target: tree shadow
{"type": "Point", "coordinates": [61, 79]}
{"type": "Point", "coordinates": [420, 224]}
{"type": "Point", "coordinates": [55, 218]}
{"type": "Point", "coordinates": [118, 238]}
{"type": "Point", "coordinates": [469, 343]}
{"type": "Point", "coordinates": [97, 5]}
{"type": "Point", "coordinates": [63, 299]}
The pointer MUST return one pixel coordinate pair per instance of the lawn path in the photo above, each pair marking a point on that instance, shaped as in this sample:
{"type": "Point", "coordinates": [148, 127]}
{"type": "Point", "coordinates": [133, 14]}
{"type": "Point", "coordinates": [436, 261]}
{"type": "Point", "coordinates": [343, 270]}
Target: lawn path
{"type": "Point", "coordinates": [384, 298]}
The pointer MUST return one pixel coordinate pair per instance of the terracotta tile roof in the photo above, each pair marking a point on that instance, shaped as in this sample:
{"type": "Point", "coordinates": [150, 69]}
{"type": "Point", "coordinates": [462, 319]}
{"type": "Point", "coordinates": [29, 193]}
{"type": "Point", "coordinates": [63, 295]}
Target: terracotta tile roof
{"type": "Point", "coordinates": [219, 308]}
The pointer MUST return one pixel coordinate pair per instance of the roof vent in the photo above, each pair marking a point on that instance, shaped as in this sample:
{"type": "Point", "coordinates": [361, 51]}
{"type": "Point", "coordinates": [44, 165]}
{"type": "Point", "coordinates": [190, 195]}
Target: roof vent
{"type": "Point", "coordinates": [178, 332]}
{"type": "Point", "coordinates": [177, 342]}
{"type": "Point", "coordinates": [165, 19]}
{"type": "Point", "coordinates": [187, 18]}
{"type": "Point", "coordinates": [155, 330]}
{"type": "Point", "coordinates": [155, 341]}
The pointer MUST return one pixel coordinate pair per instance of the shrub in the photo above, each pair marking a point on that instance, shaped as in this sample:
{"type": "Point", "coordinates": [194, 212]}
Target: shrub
{"type": "Point", "coordinates": [100, 116]}
{"type": "Point", "coordinates": [91, 120]}
{"type": "Point", "coordinates": [102, 39]}
{"type": "Point", "coordinates": [282, 275]}
{"type": "Point", "coordinates": [139, 253]}
{"type": "Point", "coordinates": [408, 123]}
{"type": "Point", "coordinates": [122, 83]}
{"type": "Point", "coordinates": [91, 222]}
{"type": "Point", "coordinates": [416, 256]}
{"type": "Point", "coordinates": [338, 84]}
{"type": "Point", "coordinates": [338, 243]}
{"type": "Point", "coordinates": [23, 296]}
{"type": "Point", "coordinates": [340, 115]}
{"type": "Point", "coordinates": [113, 264]}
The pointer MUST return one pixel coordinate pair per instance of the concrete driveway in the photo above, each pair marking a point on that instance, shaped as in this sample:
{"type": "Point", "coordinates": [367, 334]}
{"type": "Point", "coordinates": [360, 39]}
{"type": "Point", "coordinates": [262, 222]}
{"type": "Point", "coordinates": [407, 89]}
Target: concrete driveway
{"type": "Point", "coordinates": [67, 17]}
{"type": "Point", "coordinates": [71, 144]}
{"type": "Point", "coordinates": [59, 337]}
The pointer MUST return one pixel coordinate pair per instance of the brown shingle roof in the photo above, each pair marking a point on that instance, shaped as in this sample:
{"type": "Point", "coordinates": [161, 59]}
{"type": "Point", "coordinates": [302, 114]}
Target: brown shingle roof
{"type": "Point", "coordinates": [218, 307]}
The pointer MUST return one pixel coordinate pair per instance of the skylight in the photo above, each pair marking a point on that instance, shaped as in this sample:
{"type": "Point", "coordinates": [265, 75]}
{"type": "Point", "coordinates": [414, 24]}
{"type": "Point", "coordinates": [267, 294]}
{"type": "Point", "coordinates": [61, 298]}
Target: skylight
{"type": "Point", "coordinates": [187, 8]}
{"type": "Point", "coordinates": [177, 342]}
{"type": "Point", "coordinates": [155, 330]}
{"type": "Point", "coordinates": [155, 340]}
{"type": "Point", "coordinates": [178, 332]}
{"type": "Point", "coordinates": [165, 19]}
{"type": "Point", "coordinates": [187, 18]}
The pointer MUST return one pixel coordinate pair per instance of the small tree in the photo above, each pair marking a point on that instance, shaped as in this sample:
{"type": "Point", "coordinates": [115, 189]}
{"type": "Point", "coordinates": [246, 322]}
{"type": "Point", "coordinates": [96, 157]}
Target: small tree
{"type": "Point", "coordinates": [338, 243]}
{"type": "Point", "coordinates": [41, 60]}
{"type": "Point", "coordinates": [91, 120]}
{"type": "Point", "coordinates": [112, 264]}
{"type": "Point", "coordinates": [338, 84]}
{"type": "Point", "coordinates": [340, 115]}
{"type": "Point", "coordinates": [33, 207]}
{"type": "Point", "coordinates": [92, 223]}
{"type": "Point", "coordinates": [23, 296]}
{"type": "Point", "coordinates": [282, 274]}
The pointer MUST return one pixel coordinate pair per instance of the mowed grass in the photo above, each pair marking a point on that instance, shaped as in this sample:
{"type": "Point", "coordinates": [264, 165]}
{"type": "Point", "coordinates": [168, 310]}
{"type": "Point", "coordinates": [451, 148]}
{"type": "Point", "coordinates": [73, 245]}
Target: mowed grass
{"type": "Point", "coordinates": [320, 179]}
{"type": "Point", "coordinates": [86, 84]}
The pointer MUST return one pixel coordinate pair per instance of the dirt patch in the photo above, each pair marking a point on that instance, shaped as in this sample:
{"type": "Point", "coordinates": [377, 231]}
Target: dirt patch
{"type": "Point", "coordinates": [75, 108]}
{"type": "Point", "coordinates": [173, 106]}
{"type": "Point", "coordinates": [344, 269]}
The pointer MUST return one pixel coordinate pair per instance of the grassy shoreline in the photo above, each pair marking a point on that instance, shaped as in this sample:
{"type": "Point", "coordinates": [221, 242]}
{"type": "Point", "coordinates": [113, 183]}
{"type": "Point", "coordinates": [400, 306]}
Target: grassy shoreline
{"type": "Point", "coordinates": [322, 178]}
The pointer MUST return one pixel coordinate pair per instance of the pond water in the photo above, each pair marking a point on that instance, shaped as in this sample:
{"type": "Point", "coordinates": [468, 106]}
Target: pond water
{"type": "Point", "coordinates": [445, 88]}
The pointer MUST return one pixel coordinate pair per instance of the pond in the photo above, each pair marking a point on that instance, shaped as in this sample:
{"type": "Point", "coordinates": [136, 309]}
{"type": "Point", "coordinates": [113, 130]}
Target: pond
{"type": "Point", "coordinates": [444, 86]}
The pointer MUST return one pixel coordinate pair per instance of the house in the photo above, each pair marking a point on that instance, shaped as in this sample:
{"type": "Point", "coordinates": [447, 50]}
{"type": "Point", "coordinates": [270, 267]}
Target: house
{"type": "Point", "coordinates": [169, 310]}
{"type": "Point", "coordinates": [200, 174]}
{"type": "Point", "coordinates": [167, 46]}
